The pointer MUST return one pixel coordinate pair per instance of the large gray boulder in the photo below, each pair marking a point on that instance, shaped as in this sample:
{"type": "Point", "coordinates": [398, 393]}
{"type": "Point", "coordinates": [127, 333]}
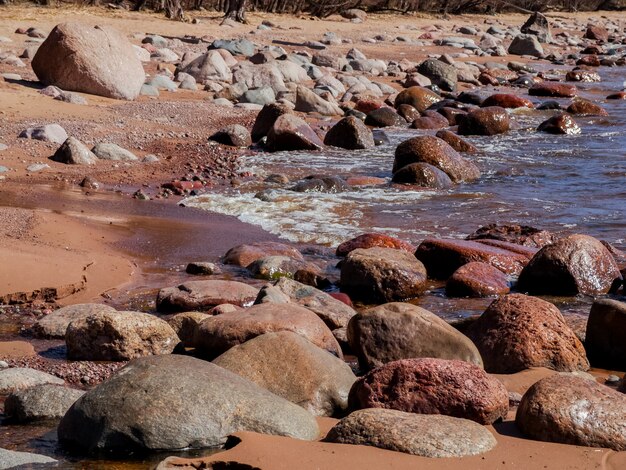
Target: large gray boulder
{"type": "Point", "coordinates": [89, 59]}
{"type": "Point", "coordinates": [175, 402]}
{"type": "Point", "coordinates": [19, 378]}
{"type": "Point", "coordinates": [40, 402]}
{"type": "Point", "coordinates": [526, 44]}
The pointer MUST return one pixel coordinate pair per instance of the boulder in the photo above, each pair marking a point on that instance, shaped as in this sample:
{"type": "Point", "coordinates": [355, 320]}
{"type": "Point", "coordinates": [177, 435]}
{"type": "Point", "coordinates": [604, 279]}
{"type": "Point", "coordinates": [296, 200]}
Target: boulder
{"type": "Point", "coordinates": [217, 334]}
{"type": "Point", "coordinates": [293, 368]}
{"type": "Point", "coordinates": [202, 295]}
{"type": "Point", "coordinates": [577, 264]}
{"type": "Point", "coordinates": [242, 46]}
{"type": "Point", "coordinates": [209, 66]}
{"type": "Point", "coordinates": [605, 339]}
{"type": "Point", "coordinates": [290, 132]}
{"type": "Point", "coordinates": [185, 325]}
{"type": "Point", "coordinates": [513, 233]}
{"type": "Point", "coordinates": [321, 184]}
{"type": "Point", "coordinates": [537, 25]}
{"type": "Point", "coordinates": [46, 133]}
{"type": "Point", "coordinates": [350, 133]}
{"type": "Point", "coordinates": [526, 44]}
{"type": "Point", "coordinates": [54, 325]}
{"type": "Point", "coordinates": [560, 124]}
{"type": "Point", "coordinates": [40, 402]}
{"type": "Point", "coordinates": [585, 107]}
{"type": "Point", "coordinates": [266, 118]}
{"type": "Point", "coordinates": [441, 74]}
{"type": "Point", "coordinates": [371, 240]}
{"type": "Point", "coordinates": [90, 59]}
{"type": "Point", "coordinates": [418, 97]}
{"type": "Point", "coordinates": [477, 279]}
{"type": "Point", "coordinates": [259, 76]}
{"type": "Point", "coordinates": [575, 411]}
{"type": "Point", "coordinates": [430, 436]}
{"type": "Point", "coordinates": [423, 175]}
{"type": "Point", "coordinates": [517, 332]}
{"type": "Point", "coordinates": [382, 275]}
{"type": "Point", "coordinates": [74, 152]}
{"type": "Point", "coordinates": [244, 255]}
{"type": "Point", "coordinates": [491, 120]}
{"type": "Point", "coordinates": [309, 102]}
{"type": "Point", "coordinates": [276, 267]}
{"type": "Point", "coordinates": [553, 89]}
{"type": "Point", "coordinates": [384, 117]}
{"type": "Point", "coordinates": [456, 142]}
{"type": "Point", "coordinates": [396, 331]}
{"type": "Point", "coordinates": [177, 402]}
{"type": "Point", "coordinates": [597, 32]}
{"type": "Point", "coordinates": [113, 152]}
{"type": "Point", "coordinates": [507, 100]}
{"type": "Point", "coordinates": [433, 386]}
{"type": "Point", "coordinates": [14, 459]}
{"type": "Point", "coordinates": [234, 135]}
{"type": "Point", "coordinates": [19, 378]}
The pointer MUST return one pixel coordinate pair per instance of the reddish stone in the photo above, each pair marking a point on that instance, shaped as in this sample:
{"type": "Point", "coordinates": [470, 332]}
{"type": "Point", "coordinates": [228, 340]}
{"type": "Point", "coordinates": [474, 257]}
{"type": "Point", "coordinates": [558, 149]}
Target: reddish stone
{"type": "Point", "coordinates": [527, 251]}
{"type": "Point", "coordinates": [451, 114]}
{"type": "Point", "coordinates": [365, 181]}
{"type": "Point", "coordinates": [491, 120]}
{"type": "Point", "coordinates": [371, 240]}
{"type": "Point", "coordinates": [477, 280]}
{"type": "Point", "coordinates": [203, 295]}
{"type": "Point", "coordinates": [408, 112]}
{"type": "Point", "coordinates": [586, 108]}
{"type": "Point", "coordinates": [507, 100]}
{"type": "Point", "coordinates": [560, 124]}
{"type": "Point", "coordinates": [486, 79]}
{"type": "Point", "coordinates": [597, 32]}
{"type": "Point", "coordinates": [367, 106]}
{"type": "Point", "coordinates": [423, 175]}
{"type": "Point", "coordinates": [554, 89]}
{"type": "Point", "coordinates": [502, 74]}
{"type": "Point", "coordinates": [589, 60]}
{"type": "Point", "coordinates": [518, 234]}
{"type": "Point", "coordinates": [433, 386]}
{"type": "Point", "coordinates": [244, 255]}
{"type": "Point", "coordinates": [617, 96]}
{"type": "Point", "coordinates": [605, 337]}
{"type": "Point", "coordinates": [582, 76]}
{"type": "Point", "coordinates": [290, 132]}
{"type": "Point", "coordinates": [418, 97]}
{"type": "Point", "coordinates": [456, 142]}
{"type": "Point", "coordinates": [341, 297]}
{"type": "Point", "coordinates": [429, 123]}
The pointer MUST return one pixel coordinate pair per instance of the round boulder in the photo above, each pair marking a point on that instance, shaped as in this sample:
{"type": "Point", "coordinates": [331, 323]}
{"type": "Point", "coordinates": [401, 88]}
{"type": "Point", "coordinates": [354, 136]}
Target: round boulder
{"type": "Point", "coordinates": [423, 175]}
{"type": "Point", "coordinates": [418, 97]}
{"type": "Point", "coordinates": [350, 133]}
{"type": "Point", "coordinates": [40, 402]}
{"type": "Point", "coordinates": [490, 120]}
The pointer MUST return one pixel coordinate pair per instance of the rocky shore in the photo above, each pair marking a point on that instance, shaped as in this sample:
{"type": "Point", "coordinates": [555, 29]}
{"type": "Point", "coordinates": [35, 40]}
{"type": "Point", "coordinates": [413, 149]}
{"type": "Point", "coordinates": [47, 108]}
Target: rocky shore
{"type": "Point", "coordinates": [138, 330]}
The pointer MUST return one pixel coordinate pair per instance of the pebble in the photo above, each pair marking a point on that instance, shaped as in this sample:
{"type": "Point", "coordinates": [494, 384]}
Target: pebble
{"type": "Point", "coordinates": [37, 167]}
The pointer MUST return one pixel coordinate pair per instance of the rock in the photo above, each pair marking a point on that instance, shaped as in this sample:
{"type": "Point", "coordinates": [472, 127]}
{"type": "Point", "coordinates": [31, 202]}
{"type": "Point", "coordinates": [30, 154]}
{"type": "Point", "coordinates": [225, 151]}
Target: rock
{"type": "Point", "coordinates": [477, 279]}
{"type": "Point", "coordinates": [118, 336]}
{"type": "Point", "coordinates": [217, 334]}
{"type": "Point", "coordinates": [517, 332]}
{"type": "Point", "coordinates": [538, 25]}
{"type": "Point", "coordinates": [385, 117]}
{"type": "Point", "coordinates": [382, 275]}
{"type": "Point", "coordinates": [418, 97]}
{"type": "Point", "coordinates": [74, 152]}
{"type": "Point", "coordinates": [209, 66]}
{"type": "Point", "coordinates": [266, 118]}
{"type": "Point", "coordinates": [40, 402]}
{"type": "Point", "coordinates": [185, 325]}
{"type": "Point", "coordinates": [113, 152]}
{"type": "Point", "coordinates": [456, 142]}
{"type": "Point", "coordinates": [242, 46]}
{"type": "Point", "coordinates": [584, 76]}
{"type": "Point", "coordinates": [442, 257]}
{"type": "Point", "coordinates": [333, 312]}
{"type": "Point", "coordinates": [90, 59]}
{"type": "Point", "coordinates": [560, 124]}
{"type": "Point", "coordinates": [577, 264]}
{"type": "Point", "coordinates": [244, 255]}
{"type": "Point", "coordinates": [289, 132]}
{"type": "Point", "coordinates": [605, 339]}
{"type": "Point", "coordinates": [396, 331]}
{"type": "Point", "coordinates": [54, 325]}
{"type": "Point", "coordinates": [235, 135]}
{"type": "Point", "coordinates": [433, 386]}
{"type": "Point", "coordinates": [259, 76]}
{"type": "Point", "coordinates": [13, 459]}
{"type": "Point", "coordinates": [526, 44]}
{"type": "Point", "coordinates": [408, 112]}
{"type": "Point", "coordinates": [147, 405]}
{"type": "Point", "coordinates": [201, 268]}
{"type": "Point", "coordinates": [309, 102]}
{"type": "Point", "coordinates": [47, 133]}
{"type": "Point", "coordinates": [259, 96]}
{"type": "Point", "coordinates": [69, 97]}
{"type": "Point", "coordinates": [436, 152]}
{"type": "Point", "coordinates": [423, 175]}
{"type": "Point", "coordinates": [512, 233]}
{"type": "Point", "coordinates": [321, 184]}
{"type": "Point", "coordinates": [354, 14]}
{"type": "Point", "coordinates": [293, 368]}
{"type": "Point", "coordinates": [440, 73]}
{"type": "Point", "coordinates": [350, 133]}
{"type": "Point", "coordinates": [553, 89]}
{"type": "Point", "coordinates": [202, 295]}
{"type": "Point", "coordinates": [584, 107]}
{"type": "Point", "coordinates": [507, 100]}
{"type": "Point", "coordinates": [424, 435]}
{"type": "Point", "coordinates": [371, 240]}
{"type": "Point", "coordinates": [597, 33]}
{"type": "Point", "coordinates": [276, 267]}
{"type": "Point", "coordinates": [491, 120]}
{"type": "Point", "coordinates": [572, 410]}
{"type": "Point", "coordinates": [19, 378]}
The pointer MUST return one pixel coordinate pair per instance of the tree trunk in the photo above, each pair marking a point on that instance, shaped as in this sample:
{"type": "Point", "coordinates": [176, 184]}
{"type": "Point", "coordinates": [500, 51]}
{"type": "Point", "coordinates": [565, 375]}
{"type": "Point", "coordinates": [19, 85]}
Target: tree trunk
{"type": "Point", "coordinates": [236, 10]}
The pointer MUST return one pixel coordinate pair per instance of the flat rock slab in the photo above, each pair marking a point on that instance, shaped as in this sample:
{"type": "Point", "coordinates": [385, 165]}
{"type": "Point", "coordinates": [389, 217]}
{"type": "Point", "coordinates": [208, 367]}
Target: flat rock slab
{"type": "Point", "coordinates": [202, 295]}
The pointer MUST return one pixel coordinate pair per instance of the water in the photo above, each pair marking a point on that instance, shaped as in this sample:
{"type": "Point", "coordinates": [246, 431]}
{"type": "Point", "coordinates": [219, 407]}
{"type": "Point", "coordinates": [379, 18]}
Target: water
{"type": "Point", "coordinates": [566, 184]}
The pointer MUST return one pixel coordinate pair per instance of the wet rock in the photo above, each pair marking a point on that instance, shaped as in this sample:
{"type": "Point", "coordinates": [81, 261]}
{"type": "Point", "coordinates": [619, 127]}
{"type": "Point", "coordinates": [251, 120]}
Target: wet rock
{"type": "Point", "coordinates": [47, 133]}
{"type": "Point", "coordinates": [554, 89]}
{"type": "Point", "coordinates": [113, 152]}
{"type": "Point", "coordinates": [90, 59]}
{"type": "Point", "coordinates": [371, 240]}
{"type": "Point", "coordinates": [244, 255]}
{"type": "Point", "coordinates": [14, 459]}
{"type": "Point", "coordinates": [584, 107]}
{"type": "Point", "coordinates": [418, 97]}
{"type": "Point", "coordinates": [396, 331]}
{"type": "Point", "coordinates": [526, 44]}
{"type": "Point", "coordinates": [444, 256]}
{"type": "Point", "coordinates": [217, 334]}
{"type": "Point", "coordinates": [605, 339]}
{"type": "Point", "coordinates": [385, 117]}
{"type": "Point", "coordinates": [293, 368]}
{"type": "Point", "coordinates": [54, 325]}
{"type": "Point", "coordinates": [350, 133]}
{"type": "Point", "coordinates": [596, 32]}
{"type": "Point", "coordinates": [517, 332]}
{"type": "Point", "coordinates": [560, 124]}
{"type": "Point", "coordinates": [309, 102]}
{"type": "Point", "coordinates": [321, 184]}
{"type": "Point", "coordinates": [266, 118]}
{"type": "Point", "coordinates": [433, 386]}
{"type": "Point", "coordinates": [147, 405]}
{"type": "Point", "coordinates": [424, 435]}
{"type": "Point", "coordinates": [575, 411]}
{"type": "Point", "coordinates": [433, 121]}
{"type": "Point", "coordinates": [19, 378]}
{"type": "Point", "coordinates": [436, 152]}
{"type": "Point", "coordinates": [577, 264]}
{"type": "Point", "coordinates": [382, 275]}
{"type": "Point", "coordinates": [185, 325]}
{"type": "Point", "coordinates": [507, 100]}
{"type": "Point", "coordinates": [202, 295]}
{"type": "Point", "coordinates": [408, 112]}
{"type": "Point", "coordinates": [512, 233]}
{"type": "Point", "coordinates": [456, 142]}
{"type": "Point", "coordinates": [491, 120]}
{"type": "Point", "coordinates": [235, 136]}
{"type": "Point", "coordinates": [441, 74]}
{"type": "Point", "coordinates": [617, 96]}
{"type": "Point", "coordinates": [118, 336]}
{"type": "Point", "coordinates": [289, 132]}
{"type": "Point", "coordinates": [201, 268]}
{"type": "Point", "coordinates": [74, 152]}
{"type": "Point", "coordinates": [41, 402]}
{"type": "Point", "coordinates": [477, 280]}
{"type": "Point", "coordinates": [537, 25]}
{"type": "Point", "coordinates": [423, 175]}
{"type": "Point", "coordinates": [584, 76]}
{"type": "Point", "coordinates": [276, 267]}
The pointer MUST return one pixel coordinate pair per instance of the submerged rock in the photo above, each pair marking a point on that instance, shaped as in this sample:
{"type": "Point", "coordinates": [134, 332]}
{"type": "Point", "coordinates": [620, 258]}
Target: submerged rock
{"type": "Point", "coordinates": [491, 120]}
{"type": "Point", "coordinates": [560, 124]}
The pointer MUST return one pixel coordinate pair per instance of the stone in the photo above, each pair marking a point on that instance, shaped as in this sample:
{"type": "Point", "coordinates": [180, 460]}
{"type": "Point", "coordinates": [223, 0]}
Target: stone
{"type": "Point", "coordinates": [266, 118]}
{"type": "Point", "coordinates": [118, 336]}
{"type": "Point", "coordinates": [185, 325]}
{"type": "Point", "coordinates": [436, 152]}
{"type": "Point", "coordinates": [430, 436]}
{"type": "Point", "coordinates": [276, 267]}
{"type": "Point", "coordinates": [457, 143]}
{"type": "Point", "coordinates": [585, 107]}
{"type": "Point", "coordinates": [244, 255]}
{"type": "Point", "coordinates": [575, 411]}
{"type": "Point", "coordinates": [507, 100]}
{"type": "Point", "coordinates": [553, 89]}
{"type": "Point", "coordinates": [517, 332]}
{"type": "Point", "coordinates": [321, 184]}
{"type": "Point", "coordinates": [354, 14]}
{"type": "Point", "coordinates": [290, 132]}
{"type": "Point", "coordinates": [54, 325]}
{"type": "Point", "coordinates": [259, 76]}
{"type": "Point", "coordinates": [13, 459]}
{"type": "Point", "coordinates": [382, 275]}
{"type": "Point", "coordinates": [293, 368]}
{"type": "Point", "coordinates": [605, 338]}
{"type": "Point", "coordinates": [47, 133]}
{"type": "Point", "coordinates": [201, 268]}
{"type": "Point", "coordinates": [258, 96]}
{"type": "Point", "coordinates": [19, 378]}
{"type": "Point", "coordinates": [584, 76]}
{"type": "Point", "coordinates": [202, 295]}
{"type": "Point", "coordinates": [234, 135]}
{"type": "Point", "coordinates": [147, 405]}
{"type": "Point", "coordinates": [418, 97]}
{"type": "Point", "coordinates": [241, 46]}
{"type": "Point", "coordinates": [371, 240]}
{"type": "Point", "coordinates": [385, 117]}
{"type": "Point", "coordinates": [560, 124]}
{"type": "Point", "coordinates": [74, 152]}
{"type": "Point", "coordinates": [209, 66]}
{"type": "Point", "coordinates": [40, 402]}
{"type": "Point", "coordinates": [512, 233]}
{"type": "Point", "coordinates": [491, 120]}
{"type": "Point", "coordinates": [309, 102]}
{"type": "Point", "coordinates": [90, 59]}
{"type": "Point", "coordinates": [423, 175]}
{"type": "Point", "coordinates": [396, 331]}
{"type": "Point", "coordinates": [526, 44]}
{"type": "Point", "coordinates": [477, 279]}
{"type": "Point", "coordinates": [350, 133]}
{"type": "Point", "coordinates": [217, 334]}
{"type": "Point", "coordinates": [69, 97]}
{"type": "Point", "coordinates": [113, 152]}
{"type": "Point", "coordinates": [577, 264]}
{"type": "Point", "coordinates": [597, 33]}
{"type": "Point", "coordinates": [433, 386]}
{"type": "Point", "coordinates": [442, 257]}
{"type": "Point", "coordinates": [441, 74]}
{"type": "Point", "coordinates": [538, 25]}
